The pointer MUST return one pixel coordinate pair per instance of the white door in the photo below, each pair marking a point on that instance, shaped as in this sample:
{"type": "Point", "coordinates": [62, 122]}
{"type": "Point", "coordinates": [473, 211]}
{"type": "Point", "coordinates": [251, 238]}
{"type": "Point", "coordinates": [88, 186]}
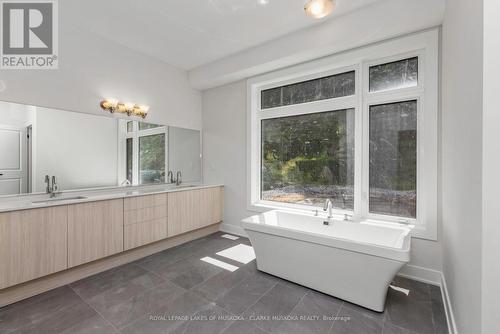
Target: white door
{"type": "Point", "coordinates": [12, 160]}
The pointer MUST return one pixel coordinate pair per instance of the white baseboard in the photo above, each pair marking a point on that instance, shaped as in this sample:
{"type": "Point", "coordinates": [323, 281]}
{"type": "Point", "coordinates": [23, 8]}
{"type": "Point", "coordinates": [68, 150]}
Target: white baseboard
{"type": "Point", "coordinates": [233, 229]}
{"type": "Point", "coordinates": [421, 274]}
{"type": "Point", "coordinates": [450, 318]}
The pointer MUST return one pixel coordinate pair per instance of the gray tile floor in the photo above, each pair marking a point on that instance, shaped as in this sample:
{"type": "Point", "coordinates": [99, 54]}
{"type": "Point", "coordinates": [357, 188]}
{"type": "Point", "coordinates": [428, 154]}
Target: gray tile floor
{"type": "Point", "coordinates": [174, 292]}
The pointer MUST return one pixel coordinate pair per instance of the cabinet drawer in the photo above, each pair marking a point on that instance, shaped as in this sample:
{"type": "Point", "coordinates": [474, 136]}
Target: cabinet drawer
{"type": "Point", "coordinates": [145, 220]}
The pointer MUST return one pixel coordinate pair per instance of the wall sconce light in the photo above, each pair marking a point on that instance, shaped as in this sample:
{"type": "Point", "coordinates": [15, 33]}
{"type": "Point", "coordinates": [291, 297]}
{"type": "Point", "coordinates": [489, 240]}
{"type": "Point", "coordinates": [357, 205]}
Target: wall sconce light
{"type": "Point", "coordinates": [128, 108]}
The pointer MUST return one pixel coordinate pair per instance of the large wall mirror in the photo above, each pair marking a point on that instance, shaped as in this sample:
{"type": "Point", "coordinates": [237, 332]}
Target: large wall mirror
{"type": "Point", "coordinates": [90, 151]}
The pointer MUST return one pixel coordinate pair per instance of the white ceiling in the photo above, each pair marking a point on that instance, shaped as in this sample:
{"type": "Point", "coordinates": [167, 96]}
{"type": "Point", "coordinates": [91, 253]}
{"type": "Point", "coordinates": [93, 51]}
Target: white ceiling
{"type": "Point", "coordinates": [191, 33]}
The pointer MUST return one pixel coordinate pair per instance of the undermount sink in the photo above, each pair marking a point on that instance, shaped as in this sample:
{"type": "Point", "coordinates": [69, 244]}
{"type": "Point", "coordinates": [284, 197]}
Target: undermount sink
{"type": "Point", "coordinates": [58, 199]}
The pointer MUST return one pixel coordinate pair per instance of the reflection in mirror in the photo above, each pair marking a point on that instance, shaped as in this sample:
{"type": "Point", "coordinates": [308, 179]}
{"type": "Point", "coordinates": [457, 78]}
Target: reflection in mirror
{"type": "Point", "coordinates": [90, 151]}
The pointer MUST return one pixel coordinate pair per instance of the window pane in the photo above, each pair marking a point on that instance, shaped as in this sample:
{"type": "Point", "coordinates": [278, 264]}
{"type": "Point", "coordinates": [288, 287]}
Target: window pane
{"type": "Point", "coordinates": [129, 159]}
{"type": "Point", "coordinates": [395, 75]}
{"type": "Point", "coordinates": [145, 126]}
{"type": "Point", "coordinates": [333, 86]}
{"type": "Point", "coordinates": [130, 126]}
{"type": "Point", "coordinates": [393, 159]}
{"type": "Point", "coordinates": [309, 158]}
{"type": "Point", "coordinates": [152, 159]}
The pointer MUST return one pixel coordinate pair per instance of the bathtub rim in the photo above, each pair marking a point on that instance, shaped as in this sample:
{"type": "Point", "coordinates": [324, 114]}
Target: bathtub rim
{"type": "Point", "coordinates": [391, 253]}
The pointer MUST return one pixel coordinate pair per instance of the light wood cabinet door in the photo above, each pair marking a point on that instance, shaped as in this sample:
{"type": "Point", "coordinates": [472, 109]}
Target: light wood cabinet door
{"type": "Point", "coordinates": [211, 206]}
{"type": "Point", "coordinates": [183, 211]}
{"type": "Point", "coordinates": [95, 230]}
{"type": "Point", "coordinates": [192, 209]}
{"type": "Point", "coordinates": [33, 243]}
{"type": "Point", "coordinates": [145, 220]}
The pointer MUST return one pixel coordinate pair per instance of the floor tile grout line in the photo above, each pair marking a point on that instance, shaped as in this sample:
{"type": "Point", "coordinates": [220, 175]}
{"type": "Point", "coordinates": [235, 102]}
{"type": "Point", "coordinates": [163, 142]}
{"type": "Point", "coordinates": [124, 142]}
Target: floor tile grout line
{"type": "Point", "coordinates": [183, 292]}
{"type": "Point", "coordinates": [124, 283]}
{"type": "Point", "coordinates": [383, 319]}
{"type": "Point", "coordinates": [151, 272]}
{"type": "Point", "coordinates": [432, 308]}
{"type": "Point", "coordinates": [265, 292]}
{"type": "Point", "coordinates": [212, 301]}
{"type": "Point", "coordinates": [95, 310]}
{"type": "Point", "coordinates": [109, 271]}
{"type": "Point", "coordinates": [209, 277]}
{"type": "Point", "coordinates": [296, 305]}
{"type": "Point", "coordinates": [168, 279]}
{"type": "Point", "coordinates": [262, 296]}
{"type": "Point", "coordinates": [142, 293]}
{"type": "Point", "coordinates": [216, 305]}
{"type": "Point", "coordinates": [336, 316]}
{"type": "Point", "coordinates": [186, 258]}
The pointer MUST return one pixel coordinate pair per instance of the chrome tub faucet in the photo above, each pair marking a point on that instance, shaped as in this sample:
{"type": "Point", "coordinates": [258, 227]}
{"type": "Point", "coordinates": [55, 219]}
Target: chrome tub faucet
{"type": "Point", "coordinates": [328, 207]}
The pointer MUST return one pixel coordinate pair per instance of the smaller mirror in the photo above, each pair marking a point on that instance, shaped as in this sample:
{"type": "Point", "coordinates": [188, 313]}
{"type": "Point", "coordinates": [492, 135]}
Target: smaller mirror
{"type": "Point", "coordinates": [147, 159]}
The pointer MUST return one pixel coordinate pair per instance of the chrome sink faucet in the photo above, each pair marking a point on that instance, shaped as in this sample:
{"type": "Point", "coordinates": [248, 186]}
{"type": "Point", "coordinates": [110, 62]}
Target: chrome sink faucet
{"type": "Point", "coordinates": [126, 182]}
{"type": "Point", "coordinates": [51, 187]}
{"type": "Point", "coordinates": [178, 178]}
{"type": "Point", "coordinates": [328, 207]}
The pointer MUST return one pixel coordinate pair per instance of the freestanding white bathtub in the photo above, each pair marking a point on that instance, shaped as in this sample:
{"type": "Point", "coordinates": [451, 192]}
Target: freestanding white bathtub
{"type": "Point", "coordinates": [349, 260]}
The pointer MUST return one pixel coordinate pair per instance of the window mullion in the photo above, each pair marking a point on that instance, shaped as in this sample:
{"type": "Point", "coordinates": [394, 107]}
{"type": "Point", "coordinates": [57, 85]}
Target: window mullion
{"type": "Point", "coordinates": [309, 108]}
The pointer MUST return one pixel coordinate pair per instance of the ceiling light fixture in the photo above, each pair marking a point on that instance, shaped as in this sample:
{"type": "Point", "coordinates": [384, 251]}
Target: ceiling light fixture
{"type": "Point", "coordinates": [319, 8]}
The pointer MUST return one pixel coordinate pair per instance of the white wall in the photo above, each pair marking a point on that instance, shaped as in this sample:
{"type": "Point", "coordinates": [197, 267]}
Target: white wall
{"type": "Point", "coordinates": [224, 147]}
{"type": "Point", "coordinates": [462, 160]}
{"type": "Point", "coordinates": [80, 149]}
{"type": "Point", "coordinates": [92, 68]}
{"type": "Point", "coordinates": [17, 115]}
{"type": "Point", "coordinates": [224, 152]}
{"type": "Point", "coordinates": [491, 168]}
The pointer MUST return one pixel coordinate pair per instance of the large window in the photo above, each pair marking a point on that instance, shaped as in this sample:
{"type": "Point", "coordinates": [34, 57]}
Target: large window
{"type": "Point", "coordinates": [309, 158]}
{"type": "Point", "coordinates": [361, 133]}
{"type": "Point", "coordinates": [393, 159]}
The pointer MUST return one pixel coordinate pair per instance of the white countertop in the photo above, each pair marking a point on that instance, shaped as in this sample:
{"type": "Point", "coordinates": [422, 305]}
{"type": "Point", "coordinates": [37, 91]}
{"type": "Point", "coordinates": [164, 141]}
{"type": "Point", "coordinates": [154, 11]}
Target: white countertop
{"type": "Point", "coordinates": [27, 201]}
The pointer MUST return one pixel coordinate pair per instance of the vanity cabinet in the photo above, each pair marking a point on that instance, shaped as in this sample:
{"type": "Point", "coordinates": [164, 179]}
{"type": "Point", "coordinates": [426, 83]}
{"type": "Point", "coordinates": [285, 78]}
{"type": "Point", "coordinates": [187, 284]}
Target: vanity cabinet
{"type": "Point", "coordinates": [55, 240]}
{"type": "Point", "coordinates": [32, 244]}
{"type": "Point", "coordinates": [192, 209]}
{"type": "Point", "coordinates": [95, 231]}
{"type": "Point", "coordinates": [145, 220]}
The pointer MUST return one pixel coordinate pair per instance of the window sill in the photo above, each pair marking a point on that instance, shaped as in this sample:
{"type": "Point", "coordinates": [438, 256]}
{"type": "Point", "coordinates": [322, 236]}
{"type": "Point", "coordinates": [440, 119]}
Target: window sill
{"type": "Point", "coordinates": [264, 206]}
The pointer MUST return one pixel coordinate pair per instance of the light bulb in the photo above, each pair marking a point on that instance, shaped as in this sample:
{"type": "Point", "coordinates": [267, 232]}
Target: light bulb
{"type": "Point", "coordinates": [112, 102]}
{"type": "Point", "coordinates": [144, 108]}
{"type": "Point", "coordinates": [129, 106]}
{"type": "Point", "coordinates": [319, 8]}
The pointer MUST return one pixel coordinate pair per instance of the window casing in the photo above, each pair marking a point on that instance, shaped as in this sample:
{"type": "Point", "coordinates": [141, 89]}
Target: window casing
{"type": "Point", "coordinates": [407, 191]}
